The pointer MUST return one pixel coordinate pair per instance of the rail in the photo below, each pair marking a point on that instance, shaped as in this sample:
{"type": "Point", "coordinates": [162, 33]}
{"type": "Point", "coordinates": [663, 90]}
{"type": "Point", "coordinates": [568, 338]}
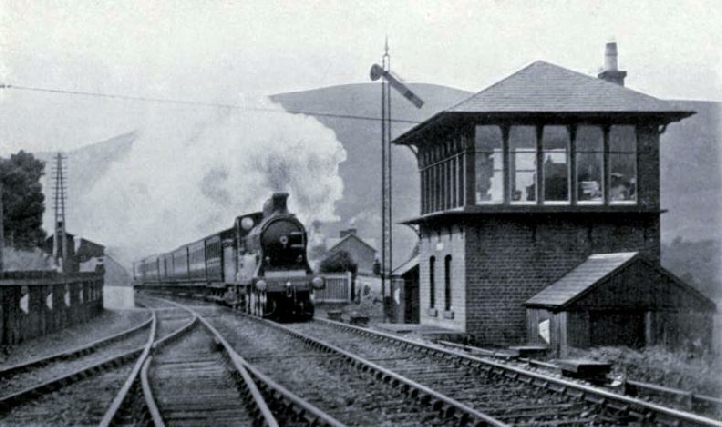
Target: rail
{"type": "Point", "coordinates": [115, 406]}
{"type": "Point", "coordinates": [386, 375]}
{"type": "Point", "coordinates": [9, 401]}
{"type": "Point", "coordinates": [74, 352]}
{"type": "Point", "coordinates": [641, 408]}
{"type": "Point", "coordinates": [239, 364]}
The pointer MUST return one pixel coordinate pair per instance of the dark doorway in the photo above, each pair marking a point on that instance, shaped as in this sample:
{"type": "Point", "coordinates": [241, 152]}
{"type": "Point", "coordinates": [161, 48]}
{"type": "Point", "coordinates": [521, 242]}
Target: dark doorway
{"type": "Point", "coordinates": [411, 296]}
{"type": "Point", "coordinates": [614, 328]}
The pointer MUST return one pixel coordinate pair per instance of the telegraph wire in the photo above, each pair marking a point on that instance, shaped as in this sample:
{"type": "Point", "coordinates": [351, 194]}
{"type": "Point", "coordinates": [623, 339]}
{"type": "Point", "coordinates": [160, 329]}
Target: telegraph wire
{"type": "Point", "coordinates": [196, 103]}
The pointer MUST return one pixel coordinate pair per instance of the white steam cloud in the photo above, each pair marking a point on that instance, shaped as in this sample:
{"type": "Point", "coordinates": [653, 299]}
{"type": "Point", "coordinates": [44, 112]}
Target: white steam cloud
{"type": "Point", "coordinates": [190, 172]}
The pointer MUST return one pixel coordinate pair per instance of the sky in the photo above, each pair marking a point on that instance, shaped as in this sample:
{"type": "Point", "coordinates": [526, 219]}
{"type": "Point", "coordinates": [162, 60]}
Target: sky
{"type": "Point", "coordinates": [224, 51]}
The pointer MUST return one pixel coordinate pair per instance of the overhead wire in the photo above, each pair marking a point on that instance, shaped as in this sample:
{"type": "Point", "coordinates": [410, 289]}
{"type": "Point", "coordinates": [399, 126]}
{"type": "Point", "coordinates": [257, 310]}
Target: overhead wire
{"type": "Point", "coordinates": [197, 103]}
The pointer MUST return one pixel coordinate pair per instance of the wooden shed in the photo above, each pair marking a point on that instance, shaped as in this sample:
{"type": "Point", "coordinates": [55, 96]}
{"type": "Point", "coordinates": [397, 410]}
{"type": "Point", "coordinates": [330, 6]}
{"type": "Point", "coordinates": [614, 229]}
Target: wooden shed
{"type": "Point", "coordinates": [619, 299]}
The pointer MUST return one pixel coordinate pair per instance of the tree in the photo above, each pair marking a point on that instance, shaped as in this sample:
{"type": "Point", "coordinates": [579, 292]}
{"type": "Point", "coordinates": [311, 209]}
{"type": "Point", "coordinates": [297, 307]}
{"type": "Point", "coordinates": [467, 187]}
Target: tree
{"type": "Point", "coordinates": [22, 200]}
{"type": "Point", "coordinates": [339, 262]}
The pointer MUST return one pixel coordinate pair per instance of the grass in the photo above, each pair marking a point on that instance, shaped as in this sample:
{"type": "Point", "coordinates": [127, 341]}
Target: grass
{"type": "Point", "coordinates": [698, 373]}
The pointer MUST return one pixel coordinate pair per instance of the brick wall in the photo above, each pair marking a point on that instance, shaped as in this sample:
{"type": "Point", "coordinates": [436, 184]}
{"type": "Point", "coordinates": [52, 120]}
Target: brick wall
{"type": "Point", "coordinates": [510, 258]}
{"type": "Point", "coordinates": [440, 242]}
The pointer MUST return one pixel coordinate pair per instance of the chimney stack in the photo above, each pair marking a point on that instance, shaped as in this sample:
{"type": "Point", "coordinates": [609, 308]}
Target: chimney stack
{"type": "Point", "coordinates": [611, 71]}
{"type": "Point", "coordinates": [346, 232]}
{"type": "Point", "coordinates": [276, 204]}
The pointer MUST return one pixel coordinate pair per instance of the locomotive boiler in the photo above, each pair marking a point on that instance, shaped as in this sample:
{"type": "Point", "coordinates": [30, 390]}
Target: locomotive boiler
{"type": "Point", "coordinates": [259, 266]}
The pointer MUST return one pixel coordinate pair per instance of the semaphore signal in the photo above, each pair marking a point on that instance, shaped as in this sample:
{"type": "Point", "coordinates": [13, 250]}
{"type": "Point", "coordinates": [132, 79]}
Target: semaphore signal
{"type": "Point", "coordinates": [383, 72]}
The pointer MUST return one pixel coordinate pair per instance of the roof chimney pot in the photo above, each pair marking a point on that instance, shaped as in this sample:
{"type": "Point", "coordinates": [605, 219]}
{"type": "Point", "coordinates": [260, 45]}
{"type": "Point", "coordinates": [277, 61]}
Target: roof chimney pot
{"type": "Point", "coordinates": [611, 71]}
{"type": "Point", "coordinates": [610, 57]}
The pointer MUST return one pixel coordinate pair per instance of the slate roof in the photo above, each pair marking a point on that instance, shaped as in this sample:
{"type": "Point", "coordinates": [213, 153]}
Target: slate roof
{"type": "Point", "coordinates": [595, 271]}
{"type": "Point", "coordinates": [544, 88]}
{"type": "Point", "coordinates": [596, 268]}
{"type": "Point", "coordinates": [334, 242]}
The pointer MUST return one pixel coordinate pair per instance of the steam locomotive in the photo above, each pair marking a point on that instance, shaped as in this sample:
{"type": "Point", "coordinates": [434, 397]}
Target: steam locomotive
{"type": "Point", "coordinates": [258, 266]}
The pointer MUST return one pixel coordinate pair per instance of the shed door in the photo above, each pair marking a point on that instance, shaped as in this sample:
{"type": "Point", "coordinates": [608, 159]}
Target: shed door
{"type": "Point", "coordinates": [610, 328]}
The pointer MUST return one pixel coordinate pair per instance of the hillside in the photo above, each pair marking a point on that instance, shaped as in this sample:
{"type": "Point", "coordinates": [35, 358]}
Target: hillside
{"type": "Point", "coordinates": [84, 166]}
{"type": "Point", "coordinates": [691, 175]}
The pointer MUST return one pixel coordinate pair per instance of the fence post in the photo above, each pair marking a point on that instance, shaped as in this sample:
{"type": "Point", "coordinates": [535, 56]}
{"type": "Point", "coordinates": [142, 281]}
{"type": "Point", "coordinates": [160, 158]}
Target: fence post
{"type": "Point", "coordinates": [349, 286]}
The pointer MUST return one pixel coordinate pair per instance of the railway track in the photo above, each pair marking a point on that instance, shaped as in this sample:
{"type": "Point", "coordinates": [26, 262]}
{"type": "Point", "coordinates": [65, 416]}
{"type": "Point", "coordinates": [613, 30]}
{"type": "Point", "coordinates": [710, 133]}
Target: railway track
{"type": "Point", "coordinates": [27, 388]}
{"type": "Point", "coordinates": [300, 383]}
{"type": "Point", "coordinates": [91, 385]}
{"type": "Point", "coordinates": [255, 372]}
{"type": "Point", "coordinates": [192, 383]}
{"type": "Point", "coordinates": [129, 406]}
{"type": "Point", "coordinates": [510, 395]}
{"type": "Point", "coordinates": [334, 383]}
{"type": "Point", "coordinates": [198, 379]}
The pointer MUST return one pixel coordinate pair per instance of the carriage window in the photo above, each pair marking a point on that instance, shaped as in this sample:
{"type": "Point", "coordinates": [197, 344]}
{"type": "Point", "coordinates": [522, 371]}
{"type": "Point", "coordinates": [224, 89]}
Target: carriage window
{"type": "Point", "coordinates": [522, 152]}
{"type": "Point", "coordinates": [590, 164]}
{"type": "Point", "coordinates": [489, 165]}
{"type": "Point", "coordinates": [622, 164]}
{"type": "Point", "coordinates": [555, 144]}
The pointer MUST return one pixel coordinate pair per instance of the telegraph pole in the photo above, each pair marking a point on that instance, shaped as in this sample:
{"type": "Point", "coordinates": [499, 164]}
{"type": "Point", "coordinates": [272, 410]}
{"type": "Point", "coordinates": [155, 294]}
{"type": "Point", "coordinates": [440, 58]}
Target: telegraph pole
{"type": "Point", "coordinates": [2, 229]}
{"type": "Point", "coordinates": [388, 81]}
{"type": "Point", "coordinates": [60, 243]}
{"type": "Point", "coordinates": [386, 183]}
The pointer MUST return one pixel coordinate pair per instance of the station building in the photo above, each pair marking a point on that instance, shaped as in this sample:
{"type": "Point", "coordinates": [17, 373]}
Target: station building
{"type": "Point", "coordinates": [525, 187]}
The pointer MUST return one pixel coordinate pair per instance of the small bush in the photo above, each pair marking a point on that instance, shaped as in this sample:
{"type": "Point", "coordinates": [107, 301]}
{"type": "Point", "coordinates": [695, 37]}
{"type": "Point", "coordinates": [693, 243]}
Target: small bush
{"type": "Point", "coordinates": [658, 365]}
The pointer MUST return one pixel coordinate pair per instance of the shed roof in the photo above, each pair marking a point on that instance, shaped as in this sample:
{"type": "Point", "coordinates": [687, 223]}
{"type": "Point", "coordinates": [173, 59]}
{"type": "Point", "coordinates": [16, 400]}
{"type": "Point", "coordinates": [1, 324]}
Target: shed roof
{"type": "Point", "coordinates": [582, 278]}
{"type": "Point", "coordinates": [545, 88]}
{"type": "Point", "coordinates": [595, 271]}
{"type": "Point", "coordinates": [407, 266]}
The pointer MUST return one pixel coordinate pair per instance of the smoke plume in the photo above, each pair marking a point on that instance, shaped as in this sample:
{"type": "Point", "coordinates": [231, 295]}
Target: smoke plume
{"type": "Point", "coordinates": [190, 172]}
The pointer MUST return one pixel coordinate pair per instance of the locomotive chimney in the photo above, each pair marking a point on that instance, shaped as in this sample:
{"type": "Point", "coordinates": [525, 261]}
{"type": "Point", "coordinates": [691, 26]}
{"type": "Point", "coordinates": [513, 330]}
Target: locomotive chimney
{"type": "Point", "coordinates": [611, 71]}
{"type": "Point", "coordinates": [276, 204]}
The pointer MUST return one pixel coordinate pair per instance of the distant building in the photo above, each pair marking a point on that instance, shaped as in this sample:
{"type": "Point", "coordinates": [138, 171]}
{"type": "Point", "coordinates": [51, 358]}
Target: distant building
{"type": "Point", "coordinates": [527, 188]}
{"type": "Point", "coordinates": [361, 251]}
{"type": "Point", "coordinates": [80, 251]}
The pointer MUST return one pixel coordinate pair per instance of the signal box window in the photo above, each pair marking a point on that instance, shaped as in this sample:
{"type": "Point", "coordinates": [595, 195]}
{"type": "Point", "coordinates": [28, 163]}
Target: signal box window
{"type": "Point", "coordinates": [489, 165]}
{"type": "Point", "coordinates": [622, 164]}
{"type": "Point", "coordinates": [555, 144]}
{"type": "Point", "coordinates": [590, 164]}
{"type": "Point", "coordinates": [432, 290]}
{"type": "Point", "coordinates": [522, 153]}
{"type": "Point", "coordinates": [447, 282]}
